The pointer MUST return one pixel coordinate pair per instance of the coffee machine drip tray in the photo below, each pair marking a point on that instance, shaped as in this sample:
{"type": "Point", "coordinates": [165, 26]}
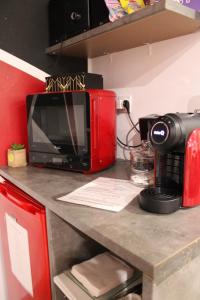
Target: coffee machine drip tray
{"type": "Point", "coordinates": [159, 200]}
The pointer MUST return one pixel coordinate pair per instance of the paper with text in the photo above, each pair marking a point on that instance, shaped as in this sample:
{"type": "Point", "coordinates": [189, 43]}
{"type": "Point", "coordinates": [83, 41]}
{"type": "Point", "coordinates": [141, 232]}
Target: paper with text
{"type": "Point", "coordinates": [104, 193]}
{"type": "Point", "coordinates": [19, 253]}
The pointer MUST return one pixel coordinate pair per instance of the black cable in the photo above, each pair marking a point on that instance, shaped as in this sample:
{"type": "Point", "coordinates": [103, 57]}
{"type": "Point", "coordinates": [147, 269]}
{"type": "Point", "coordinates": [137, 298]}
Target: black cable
{"type": "Point", "coordinates": [134, 126]}
{"type": "Point", "coordinates": [127, 137]}
{"type": "Point", "coordinates": [126, 105]}
{"type": "Point", "coordinates": [127, 146]}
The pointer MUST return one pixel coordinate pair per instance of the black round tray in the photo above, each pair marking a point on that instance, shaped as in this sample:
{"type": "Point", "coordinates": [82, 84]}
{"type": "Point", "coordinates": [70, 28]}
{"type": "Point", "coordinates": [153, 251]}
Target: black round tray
{"type": "Point", "coordinates": [159, 200]}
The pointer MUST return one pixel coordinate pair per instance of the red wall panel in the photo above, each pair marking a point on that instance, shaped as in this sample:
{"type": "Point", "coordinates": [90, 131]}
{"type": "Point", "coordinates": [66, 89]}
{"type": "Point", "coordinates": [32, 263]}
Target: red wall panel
{"type": "Point", "coordinates": [14, 86]}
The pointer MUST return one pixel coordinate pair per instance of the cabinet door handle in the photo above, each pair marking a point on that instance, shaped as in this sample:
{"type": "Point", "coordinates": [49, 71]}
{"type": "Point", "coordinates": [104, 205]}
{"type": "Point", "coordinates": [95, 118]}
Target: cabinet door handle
{"type": "Point", "coordinates": [18, 200]}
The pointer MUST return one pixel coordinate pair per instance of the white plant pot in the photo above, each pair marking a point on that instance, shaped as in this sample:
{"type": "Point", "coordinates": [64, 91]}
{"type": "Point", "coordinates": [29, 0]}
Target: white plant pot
{"type": "Point", "coordinates": [17, 158]}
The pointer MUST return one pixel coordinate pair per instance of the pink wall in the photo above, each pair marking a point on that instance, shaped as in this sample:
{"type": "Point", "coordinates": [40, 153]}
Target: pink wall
{"type": "Point", "coordinates": [15, 85]}
{"type": "Point", "coordinates": [162, 77]}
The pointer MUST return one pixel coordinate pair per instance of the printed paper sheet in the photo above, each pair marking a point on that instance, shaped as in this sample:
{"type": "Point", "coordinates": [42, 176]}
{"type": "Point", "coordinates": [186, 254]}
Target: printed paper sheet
{"type": "Point", "coordinates": [104, 193]}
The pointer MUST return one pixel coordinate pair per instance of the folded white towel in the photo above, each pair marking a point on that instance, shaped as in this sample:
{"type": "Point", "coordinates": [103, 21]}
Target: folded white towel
{"type": "Point", "coordinates": [102, 273]}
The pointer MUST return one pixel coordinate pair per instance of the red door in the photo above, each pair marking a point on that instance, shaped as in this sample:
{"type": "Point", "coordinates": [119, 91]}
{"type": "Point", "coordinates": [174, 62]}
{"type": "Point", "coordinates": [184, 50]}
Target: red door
{"type": "Point", "coordinates": [24, 245]}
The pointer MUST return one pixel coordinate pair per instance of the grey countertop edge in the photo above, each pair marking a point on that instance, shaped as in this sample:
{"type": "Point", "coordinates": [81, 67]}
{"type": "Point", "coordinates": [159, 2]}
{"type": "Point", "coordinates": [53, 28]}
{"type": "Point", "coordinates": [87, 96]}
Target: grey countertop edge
{"type": "Point", "coordinates": [159, 272]}
{"type": "Point", "coordinates": [176, 262]}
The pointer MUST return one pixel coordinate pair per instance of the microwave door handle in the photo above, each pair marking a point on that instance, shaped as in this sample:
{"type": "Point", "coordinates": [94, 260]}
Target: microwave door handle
{"type": "Point", "coordinates": [70, 130]}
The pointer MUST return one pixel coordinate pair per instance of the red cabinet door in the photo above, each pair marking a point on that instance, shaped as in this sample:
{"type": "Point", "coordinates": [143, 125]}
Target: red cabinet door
{"type": "Point", "coordinates": [20, 212]}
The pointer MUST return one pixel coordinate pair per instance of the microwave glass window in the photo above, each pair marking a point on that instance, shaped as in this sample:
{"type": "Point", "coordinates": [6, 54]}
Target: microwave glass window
{"type": "Point", "coordinates": [60, 121]}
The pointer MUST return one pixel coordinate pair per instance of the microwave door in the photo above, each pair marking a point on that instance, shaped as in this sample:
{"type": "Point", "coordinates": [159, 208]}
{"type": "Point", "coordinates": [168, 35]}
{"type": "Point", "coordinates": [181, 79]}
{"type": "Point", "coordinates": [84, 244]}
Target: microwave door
{"type": "Point", "coordinates": [36, 131]}
{"type": "Point", "coordinates": [41, 136]}
{"type": "Point", "coordinates": [59, 124]}
{"type": "Point", "coordinates": [71, 126]}
{"type": "Point", "coordinates": [75, 108]}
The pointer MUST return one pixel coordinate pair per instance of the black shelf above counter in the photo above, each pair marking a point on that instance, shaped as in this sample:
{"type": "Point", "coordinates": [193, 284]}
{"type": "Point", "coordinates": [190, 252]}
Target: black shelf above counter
{"type": "Point", "coordinates": [164, 20]}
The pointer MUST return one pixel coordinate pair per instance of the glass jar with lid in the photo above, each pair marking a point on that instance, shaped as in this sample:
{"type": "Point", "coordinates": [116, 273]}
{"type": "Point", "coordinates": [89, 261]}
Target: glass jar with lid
{"type": "Point", "coordinates": [142, 165]}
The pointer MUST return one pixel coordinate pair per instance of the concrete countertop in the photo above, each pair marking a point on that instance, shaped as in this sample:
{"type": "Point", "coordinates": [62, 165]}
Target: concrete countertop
{"type": "Point", "coordinates": [158, 245]}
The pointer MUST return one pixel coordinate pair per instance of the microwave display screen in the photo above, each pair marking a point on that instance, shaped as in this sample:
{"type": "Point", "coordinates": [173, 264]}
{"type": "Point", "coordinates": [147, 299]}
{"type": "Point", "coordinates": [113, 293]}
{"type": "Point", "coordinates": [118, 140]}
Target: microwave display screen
{"type": "Point", "coordinates": [60, 122]}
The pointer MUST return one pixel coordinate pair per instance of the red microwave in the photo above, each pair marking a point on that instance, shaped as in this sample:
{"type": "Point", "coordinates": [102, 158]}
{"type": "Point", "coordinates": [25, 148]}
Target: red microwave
{"type": "Point", "coordinates": [73, 130]}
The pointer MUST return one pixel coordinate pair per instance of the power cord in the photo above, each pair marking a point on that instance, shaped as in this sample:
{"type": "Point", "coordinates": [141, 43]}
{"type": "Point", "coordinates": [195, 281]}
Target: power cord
{"type": "Point", "coordinates": [126, 105]}
{"type": "Point", "coordinates": [126, 145]}
{"type": "Point", "coordinates": [134, 126]}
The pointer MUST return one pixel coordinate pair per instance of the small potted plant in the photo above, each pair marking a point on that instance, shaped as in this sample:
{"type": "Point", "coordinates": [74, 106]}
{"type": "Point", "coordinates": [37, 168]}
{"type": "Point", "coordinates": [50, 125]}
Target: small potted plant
{"type": "Point", "coordinates": [17, 156]}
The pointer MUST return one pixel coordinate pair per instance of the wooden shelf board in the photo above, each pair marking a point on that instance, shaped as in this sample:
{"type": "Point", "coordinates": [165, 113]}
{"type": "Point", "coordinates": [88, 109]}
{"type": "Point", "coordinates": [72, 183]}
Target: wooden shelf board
{"type": "Point", "coordinates": [162, 21]}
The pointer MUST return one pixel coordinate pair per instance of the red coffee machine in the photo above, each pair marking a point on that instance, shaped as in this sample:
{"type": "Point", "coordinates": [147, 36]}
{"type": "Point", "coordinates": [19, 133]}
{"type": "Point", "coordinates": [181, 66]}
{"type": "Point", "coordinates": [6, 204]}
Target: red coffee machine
{"type": "Point", "coordinates": [176, 141]}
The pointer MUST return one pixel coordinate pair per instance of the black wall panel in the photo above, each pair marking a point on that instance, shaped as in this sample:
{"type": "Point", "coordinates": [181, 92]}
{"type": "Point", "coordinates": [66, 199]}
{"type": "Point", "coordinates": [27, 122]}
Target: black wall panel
{"type": "Point", "coordinates": [24, 33]}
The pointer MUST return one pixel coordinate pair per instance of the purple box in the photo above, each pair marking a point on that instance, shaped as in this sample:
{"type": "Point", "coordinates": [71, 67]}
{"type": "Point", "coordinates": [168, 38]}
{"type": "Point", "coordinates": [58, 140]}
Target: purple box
{"type": "Point", "coordinates": [195, 4]}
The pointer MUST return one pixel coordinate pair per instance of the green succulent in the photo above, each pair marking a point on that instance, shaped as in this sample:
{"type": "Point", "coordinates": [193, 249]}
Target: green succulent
{"type": "Point", "coordinates": [17, 146]}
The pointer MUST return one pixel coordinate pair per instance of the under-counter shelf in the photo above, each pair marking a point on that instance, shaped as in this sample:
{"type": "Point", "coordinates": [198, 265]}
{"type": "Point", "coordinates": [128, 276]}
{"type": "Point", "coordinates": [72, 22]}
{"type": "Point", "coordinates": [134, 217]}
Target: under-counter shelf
{"type": "Point", "coordinates": [73, 291]}
{"type": "Point", "coordinates": [164, 20]}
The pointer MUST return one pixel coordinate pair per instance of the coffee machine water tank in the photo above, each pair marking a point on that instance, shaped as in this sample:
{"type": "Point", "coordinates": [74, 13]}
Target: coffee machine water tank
{"type": "Point", "coordinates": [176, 141]}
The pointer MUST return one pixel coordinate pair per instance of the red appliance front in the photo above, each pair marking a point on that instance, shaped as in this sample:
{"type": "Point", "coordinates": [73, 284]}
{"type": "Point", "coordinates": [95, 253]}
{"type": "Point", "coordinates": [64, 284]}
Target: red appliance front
{"type": "Point", "coordinates": [28, 216]}
{"type": "Point", "coordinates": [191, 193]}
{"type": "Point", "coordinates": [103, 129]}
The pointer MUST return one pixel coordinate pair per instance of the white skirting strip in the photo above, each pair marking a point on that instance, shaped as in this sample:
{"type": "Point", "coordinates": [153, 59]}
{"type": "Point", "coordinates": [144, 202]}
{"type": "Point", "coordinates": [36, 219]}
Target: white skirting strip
{"type": "Point", "coordinates": [22, 65]}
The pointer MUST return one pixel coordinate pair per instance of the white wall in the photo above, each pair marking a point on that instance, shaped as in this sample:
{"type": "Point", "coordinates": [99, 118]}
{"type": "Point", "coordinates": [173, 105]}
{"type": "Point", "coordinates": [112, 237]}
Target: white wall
{"type": "Point", "coordinates": [162, 77]}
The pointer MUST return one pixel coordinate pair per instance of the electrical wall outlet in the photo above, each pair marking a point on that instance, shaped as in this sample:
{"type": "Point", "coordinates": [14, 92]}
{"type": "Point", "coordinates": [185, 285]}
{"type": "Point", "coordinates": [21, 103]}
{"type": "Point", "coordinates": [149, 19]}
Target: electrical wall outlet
{"type": "Point", "coordinates": [120, 103]}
